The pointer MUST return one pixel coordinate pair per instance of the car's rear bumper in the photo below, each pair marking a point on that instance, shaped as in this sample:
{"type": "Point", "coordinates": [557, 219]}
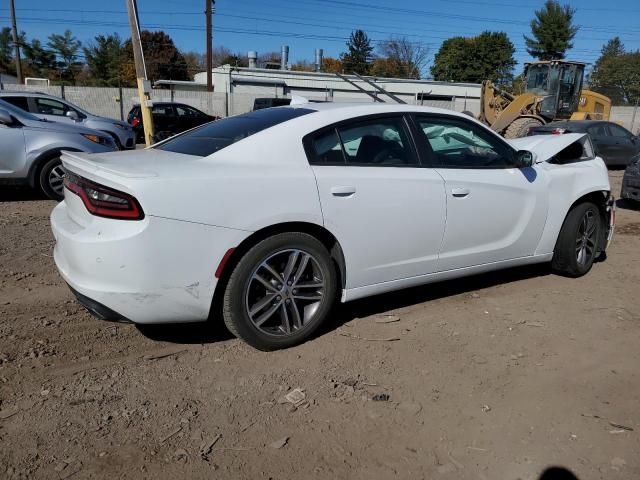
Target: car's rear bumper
{"type": "Point", "coordinates": [155, 270]}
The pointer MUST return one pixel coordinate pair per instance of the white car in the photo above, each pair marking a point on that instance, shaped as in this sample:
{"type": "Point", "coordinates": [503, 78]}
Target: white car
{"type": "Point", "coordinates": [265, 219]}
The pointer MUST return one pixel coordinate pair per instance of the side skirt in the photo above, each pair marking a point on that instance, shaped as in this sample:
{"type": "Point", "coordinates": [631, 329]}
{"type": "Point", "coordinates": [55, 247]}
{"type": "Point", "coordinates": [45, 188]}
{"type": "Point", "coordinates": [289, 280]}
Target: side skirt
{"type": "Point", "coordinates": [369, 290]}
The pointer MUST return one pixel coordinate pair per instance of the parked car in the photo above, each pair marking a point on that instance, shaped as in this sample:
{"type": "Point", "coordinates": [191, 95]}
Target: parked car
{"type": "Point", "coordinates": [31, 149]}
{"type": "Point", "coordinates": [60, 110]}
{"type": "Point", "coordinates": [168, 119]}
{"type": "Point", "coordinates": [260, 103]}
{"type": "Point", "coordinates": [631, 180]}
{"type": "Point", "coordinates": [614, 143]}
{"type": "Point", "coordinates": [265, 219]}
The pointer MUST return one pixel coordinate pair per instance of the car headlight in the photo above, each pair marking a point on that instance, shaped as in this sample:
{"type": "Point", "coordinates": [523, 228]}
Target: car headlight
{"type": "Point", "coordinates": [98, 139]}
{"type": "Point", "coordinates": [121, 127]}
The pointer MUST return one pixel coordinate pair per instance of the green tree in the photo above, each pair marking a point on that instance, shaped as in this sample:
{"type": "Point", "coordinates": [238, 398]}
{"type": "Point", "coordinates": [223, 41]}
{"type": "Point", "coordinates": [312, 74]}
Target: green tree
{"type": "Point", "coordinates": [162, 59]}
{"type": "Point", "coordinates": [40, 61]}
{"type": "Point", "coordinates": [103, 57]}
{"type": "Point", "coordinates": [553, 31]}
{"type": "Point", "coordinates": [616, 73]}
{"type": "Point", "coordinates": [6, 51]}
{"type": "Point", "coordinates": [489, 56]}
{"type": "Point", "coordinates": [66, 48]}
{"type": "Point", "coordinates": [359, 54]}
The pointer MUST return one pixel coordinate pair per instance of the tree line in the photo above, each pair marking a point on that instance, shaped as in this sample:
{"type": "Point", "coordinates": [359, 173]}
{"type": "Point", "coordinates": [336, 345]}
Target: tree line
{"type": "Point", "coordinates": [107, 60]}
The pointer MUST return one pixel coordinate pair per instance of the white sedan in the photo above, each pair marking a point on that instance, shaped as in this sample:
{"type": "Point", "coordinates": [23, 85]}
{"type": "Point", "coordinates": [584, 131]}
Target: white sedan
{"type": "Point", "coordinates": [263, 220]}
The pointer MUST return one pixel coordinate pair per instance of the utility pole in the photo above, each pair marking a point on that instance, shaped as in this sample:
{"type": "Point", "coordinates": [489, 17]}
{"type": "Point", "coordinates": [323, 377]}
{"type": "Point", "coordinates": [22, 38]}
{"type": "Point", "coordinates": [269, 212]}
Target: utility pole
{"type": "Point", "coordinates": [144, 87]}
{"type": "Point", "coordinates": [14, 30]}
{"type": "Point", "coordinates": [209, 14]}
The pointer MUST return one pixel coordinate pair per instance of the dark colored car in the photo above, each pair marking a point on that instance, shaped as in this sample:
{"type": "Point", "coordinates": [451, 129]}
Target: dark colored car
{"type": "Point", "coordinates": [260, 103]}
{"type": "Point", "coordinates": [615, 144]}
{"type": "Point", "coordinates": [631, 180]}
{"type": "Point", "coordinates": [168, 119]}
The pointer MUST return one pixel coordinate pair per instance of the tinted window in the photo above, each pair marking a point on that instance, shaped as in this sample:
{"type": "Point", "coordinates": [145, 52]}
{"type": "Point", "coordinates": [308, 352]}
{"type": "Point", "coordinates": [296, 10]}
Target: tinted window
{"type": "Point", "coordinates": [161, 110]}
{"type": "Point", "coordinates": [618, 131]}
{"type": "Point", "coordinates": [48, 106]}
{"type": "Point", "coordinates": [459, 144]}
{"type": "Point", "coordinates": [215, 136]}
{"type": "Point", "coordinates": [327, 148]}
{"type": "Point", "coordinates": [186, 111]}
{"type": "Point", "coordinates": [377, 142]}
{"type": "Point", "coordinates": [599, 130]}
{"type": "Point", "coordinates": [20, 102]}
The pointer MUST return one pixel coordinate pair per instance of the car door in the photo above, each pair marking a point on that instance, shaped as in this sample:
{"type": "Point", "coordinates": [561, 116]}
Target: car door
{"type": "Point", "coordinates": [494, 210]}
{"type": "Point", "coordinates": [385, 208]}
{"type": "Point", "coordinates": [13, 158]}
{"type": "Point", "coordinates": [51, 109]}
{"type": "Point", "coordinates": [164, 119]}
{"type": "Point", "coordinates": [602, 141]}
{"type": "Point", "coordinates": [187, 117]}
{"type": "Point", "coordinates": [624, 144]}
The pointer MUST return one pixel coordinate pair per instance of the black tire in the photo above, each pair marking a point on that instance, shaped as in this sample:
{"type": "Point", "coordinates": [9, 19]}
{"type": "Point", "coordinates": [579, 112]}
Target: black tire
{"type": "Point", "coordinates": [49, 180]}
{"type": "Point", "coordinates": [520, 127]}
{"type": "Point", "coordinates": [566, 256]}
{"type": "Point", "coordinates": [235, 305]}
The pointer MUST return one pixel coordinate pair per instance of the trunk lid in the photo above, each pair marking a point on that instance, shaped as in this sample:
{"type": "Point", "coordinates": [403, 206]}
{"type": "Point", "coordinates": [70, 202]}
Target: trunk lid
{"type": "Point", "coordinates": [131, 164]}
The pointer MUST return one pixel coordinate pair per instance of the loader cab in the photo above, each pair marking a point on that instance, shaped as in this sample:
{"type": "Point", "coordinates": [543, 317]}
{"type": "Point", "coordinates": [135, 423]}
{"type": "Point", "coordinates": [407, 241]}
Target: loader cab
{"type": "Point", "coordinates": [559, 83]}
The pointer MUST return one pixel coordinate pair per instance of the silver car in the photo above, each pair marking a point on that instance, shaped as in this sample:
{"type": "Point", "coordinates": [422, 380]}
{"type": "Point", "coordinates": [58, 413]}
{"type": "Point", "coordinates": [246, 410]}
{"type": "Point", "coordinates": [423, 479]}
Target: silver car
{"type": "Point", "coordinates": [59, 110]}
{"type": "Point", "coordinates": [31, 149]}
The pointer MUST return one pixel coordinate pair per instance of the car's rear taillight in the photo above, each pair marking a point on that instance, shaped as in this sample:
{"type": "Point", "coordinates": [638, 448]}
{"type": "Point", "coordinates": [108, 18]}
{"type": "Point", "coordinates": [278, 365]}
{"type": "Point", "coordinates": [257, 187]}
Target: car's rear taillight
{"type": "Point", "coordinates": [103, 201]}
{"type": "Point", "coordinates": [558, 131]}
{"type": "Point", "coordinates": [135, 121]}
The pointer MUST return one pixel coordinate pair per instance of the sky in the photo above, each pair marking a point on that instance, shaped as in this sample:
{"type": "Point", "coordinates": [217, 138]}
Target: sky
{"type": "Point", "coordinates": [265, 25]}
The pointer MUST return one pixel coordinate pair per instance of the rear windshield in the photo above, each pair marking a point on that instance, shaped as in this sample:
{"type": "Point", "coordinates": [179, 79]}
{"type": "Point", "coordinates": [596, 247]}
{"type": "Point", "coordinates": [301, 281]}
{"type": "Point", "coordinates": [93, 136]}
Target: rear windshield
{"type": "Point", "coordinates": [217, 135]}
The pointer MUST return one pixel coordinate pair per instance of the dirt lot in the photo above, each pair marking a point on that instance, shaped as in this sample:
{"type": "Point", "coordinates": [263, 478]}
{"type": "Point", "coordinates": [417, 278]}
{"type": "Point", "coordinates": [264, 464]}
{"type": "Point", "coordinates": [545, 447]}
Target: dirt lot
{"type": "Point", "coordinates": [494, 377]}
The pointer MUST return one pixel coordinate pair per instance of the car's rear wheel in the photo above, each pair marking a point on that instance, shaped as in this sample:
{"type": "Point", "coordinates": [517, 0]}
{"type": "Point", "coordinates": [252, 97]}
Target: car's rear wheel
{"type": "Point", "coordinates": [280, 291]}
{"type": "Point", "coordinates": [577, 245]}
{"type": "Point", "coordinates": [51, 179]}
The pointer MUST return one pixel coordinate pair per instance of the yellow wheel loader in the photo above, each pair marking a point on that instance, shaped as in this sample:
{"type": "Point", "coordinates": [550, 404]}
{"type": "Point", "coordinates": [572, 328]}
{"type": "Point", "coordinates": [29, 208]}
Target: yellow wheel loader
{"type": "Point", "coordinates": [553, 91]}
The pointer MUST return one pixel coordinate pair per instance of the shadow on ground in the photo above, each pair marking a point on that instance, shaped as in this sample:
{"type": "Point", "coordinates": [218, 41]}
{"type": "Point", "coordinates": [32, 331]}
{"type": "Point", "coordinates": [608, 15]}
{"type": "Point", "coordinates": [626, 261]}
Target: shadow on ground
{"type": "Point", "coordinates": [215, 331]}
{"type": "Point", "coordinates": [14, 193]}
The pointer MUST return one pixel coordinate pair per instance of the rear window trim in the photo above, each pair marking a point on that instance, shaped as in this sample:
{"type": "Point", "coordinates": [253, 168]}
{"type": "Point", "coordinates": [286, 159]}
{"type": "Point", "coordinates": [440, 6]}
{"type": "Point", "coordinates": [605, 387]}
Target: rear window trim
{"type": "Point", "coordinates": [299, 112]}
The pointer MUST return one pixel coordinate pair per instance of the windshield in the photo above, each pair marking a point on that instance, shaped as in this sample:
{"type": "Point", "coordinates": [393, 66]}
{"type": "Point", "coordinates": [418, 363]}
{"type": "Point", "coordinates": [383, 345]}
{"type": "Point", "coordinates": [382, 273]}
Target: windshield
{"type": "Point", "coordinates": [538, 78]}
{"type": "Point", "coordinates": [215, 136]}
{"type": "Point", "coordinates": [17, 112]}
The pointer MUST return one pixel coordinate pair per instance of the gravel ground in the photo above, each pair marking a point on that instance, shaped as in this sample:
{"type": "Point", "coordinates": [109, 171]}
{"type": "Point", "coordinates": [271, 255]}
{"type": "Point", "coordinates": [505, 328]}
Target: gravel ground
{"type": "Point", "coordinates": [494, 377]}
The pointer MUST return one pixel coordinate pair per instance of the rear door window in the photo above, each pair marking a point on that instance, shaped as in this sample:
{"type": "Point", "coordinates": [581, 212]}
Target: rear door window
{"type": "Point", "coordinates": [20, 102]}
{"type": "Point", "coordinates": [212, 137]}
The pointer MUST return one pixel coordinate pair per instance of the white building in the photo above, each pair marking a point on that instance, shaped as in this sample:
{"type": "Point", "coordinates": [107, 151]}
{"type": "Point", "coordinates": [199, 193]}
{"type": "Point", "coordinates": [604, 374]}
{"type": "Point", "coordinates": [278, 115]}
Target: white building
{"type": "Point", "coordinates": [251, 83]}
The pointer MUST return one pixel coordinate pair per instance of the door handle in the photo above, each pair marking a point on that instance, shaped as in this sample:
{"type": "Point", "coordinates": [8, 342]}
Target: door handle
{"type": "Point", "coordinates": [460, 192]}
{"type": "Point", "coordinates": [343, 191]}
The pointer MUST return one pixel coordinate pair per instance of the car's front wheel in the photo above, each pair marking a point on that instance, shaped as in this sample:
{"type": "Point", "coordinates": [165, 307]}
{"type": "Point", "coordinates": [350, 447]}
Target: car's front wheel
{"type": "Point", "coordinates": [578, 242]}
{"type": "Point", "coordinates": [51, 179]}
{"type": "Point", "coordinates": [280, 291]}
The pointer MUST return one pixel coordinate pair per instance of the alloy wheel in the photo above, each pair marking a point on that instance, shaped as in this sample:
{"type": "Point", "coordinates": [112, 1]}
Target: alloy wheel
{"type": "Point", "coordinates": [284, 292]}
{"type": "Point", "coordinates": [586, 238]}
{"type": "Point", "coordinates": [56, 179]}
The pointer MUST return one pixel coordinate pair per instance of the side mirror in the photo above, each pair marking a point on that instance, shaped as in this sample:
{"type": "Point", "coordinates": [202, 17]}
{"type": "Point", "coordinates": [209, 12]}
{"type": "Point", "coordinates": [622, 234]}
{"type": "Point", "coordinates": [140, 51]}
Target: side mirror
{"type": "Point", "coordinates": [525, 158]}
{"type": "Point", "coordinates": [5, 118]}
{"type": "Point", "coordinates": [72, 115]}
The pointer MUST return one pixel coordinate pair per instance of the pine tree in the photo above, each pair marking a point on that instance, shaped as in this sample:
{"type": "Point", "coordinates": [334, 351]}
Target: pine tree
{"type": "Point", "coordinates": [360, 53]}
{"type": "Point", "coordinates": [552, 30]}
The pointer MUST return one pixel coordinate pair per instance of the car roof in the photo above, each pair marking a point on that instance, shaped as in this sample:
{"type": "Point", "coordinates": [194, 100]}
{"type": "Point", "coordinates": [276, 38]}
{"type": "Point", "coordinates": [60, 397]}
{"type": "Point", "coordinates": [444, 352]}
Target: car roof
{"type": "Point", "coordinates": [15, 93]}
{"type": "Point", "coordinates": [362, 108]}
